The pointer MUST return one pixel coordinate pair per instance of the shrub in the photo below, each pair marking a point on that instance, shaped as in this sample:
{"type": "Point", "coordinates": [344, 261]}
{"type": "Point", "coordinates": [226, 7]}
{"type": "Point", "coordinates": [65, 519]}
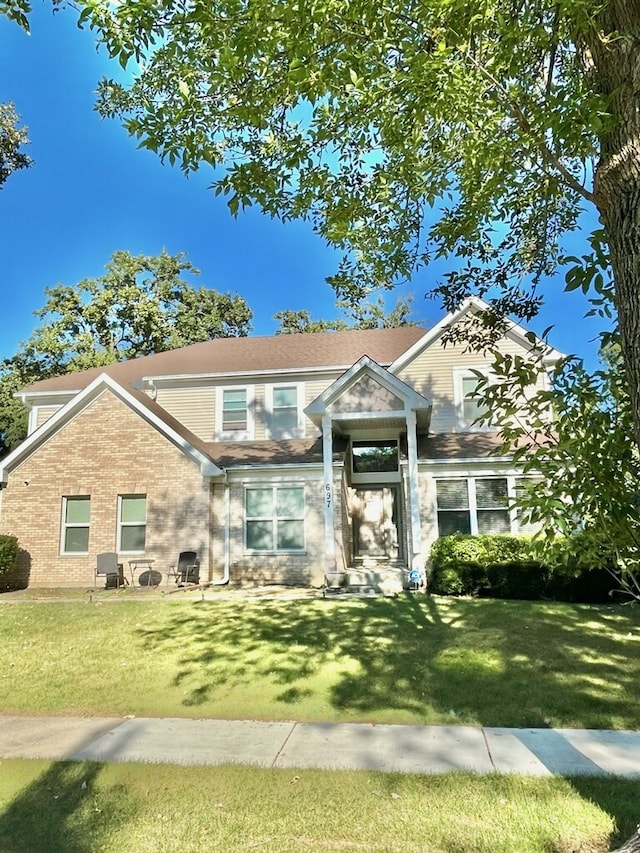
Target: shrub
{"type": "Point", "coordinates": [499, 565]}
{"type": "Point", "coordinates": [8, 553]}
{"type": "Point", "coordinates": [503, 566]}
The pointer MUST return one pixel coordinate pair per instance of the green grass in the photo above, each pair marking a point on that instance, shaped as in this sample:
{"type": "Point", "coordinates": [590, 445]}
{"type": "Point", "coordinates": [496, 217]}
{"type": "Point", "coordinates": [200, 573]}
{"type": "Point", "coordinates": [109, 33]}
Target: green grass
{"type": "Point", "coordinates": [77, 808]}
{"type": "Point", "coordinates": [410, 659]}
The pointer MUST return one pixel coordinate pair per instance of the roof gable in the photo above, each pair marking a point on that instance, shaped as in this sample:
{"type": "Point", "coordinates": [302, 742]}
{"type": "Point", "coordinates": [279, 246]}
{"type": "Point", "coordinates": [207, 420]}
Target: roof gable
{"type": "Point", "coordinates": [470, 306]}
{"type": "Point", "coordinates": [360, 389]}
{"type": "Point", "coordinates": [153, 414]}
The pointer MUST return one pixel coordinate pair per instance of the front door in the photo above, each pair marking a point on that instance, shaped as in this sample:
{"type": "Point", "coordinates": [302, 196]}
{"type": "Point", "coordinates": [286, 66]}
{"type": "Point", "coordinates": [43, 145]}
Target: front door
{"type": "Point", "coordinates": [375, 523]}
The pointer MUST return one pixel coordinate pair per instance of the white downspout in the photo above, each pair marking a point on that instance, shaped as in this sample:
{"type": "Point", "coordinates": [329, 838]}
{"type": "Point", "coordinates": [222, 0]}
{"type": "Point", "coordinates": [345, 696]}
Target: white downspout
{"type": "Point", "coordinates": [226, 573]}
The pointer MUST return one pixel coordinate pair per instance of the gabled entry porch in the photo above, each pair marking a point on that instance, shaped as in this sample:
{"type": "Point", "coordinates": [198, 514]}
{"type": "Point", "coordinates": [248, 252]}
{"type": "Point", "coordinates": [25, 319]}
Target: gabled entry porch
{"type": "Point", "coordinates": [372, 513]}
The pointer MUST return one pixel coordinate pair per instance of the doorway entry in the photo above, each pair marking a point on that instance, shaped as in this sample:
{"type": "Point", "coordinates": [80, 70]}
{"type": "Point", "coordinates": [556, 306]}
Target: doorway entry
{"type": "Point", "coordinates": [375, 513]}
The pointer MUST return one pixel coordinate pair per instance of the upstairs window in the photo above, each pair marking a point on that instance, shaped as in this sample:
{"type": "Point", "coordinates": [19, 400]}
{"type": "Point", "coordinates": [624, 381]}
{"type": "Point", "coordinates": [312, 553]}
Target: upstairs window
{"type": "Point", "coordinates": [234, 418]}
{"type": "Point", "coordinates": [234, 410]}
{"type": "Point", "coordinates": [468, 399]}
{"type": "Point", "coordinates": [76, 511]}
{"type": "Point", "coordinates": [284, 411]}
{"type": "Point", "coordinates": [132, 523]}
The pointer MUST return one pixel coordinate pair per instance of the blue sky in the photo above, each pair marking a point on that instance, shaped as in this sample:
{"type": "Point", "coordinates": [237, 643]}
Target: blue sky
{"type": "Point", "coordinates": [92, 192]}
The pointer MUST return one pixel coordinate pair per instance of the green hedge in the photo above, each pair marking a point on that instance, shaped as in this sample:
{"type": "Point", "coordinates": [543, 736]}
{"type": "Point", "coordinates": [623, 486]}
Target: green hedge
{"type": "Point", "coordinates": [501, 566]}
{"type": "Point", "coordinates": [8, 553]}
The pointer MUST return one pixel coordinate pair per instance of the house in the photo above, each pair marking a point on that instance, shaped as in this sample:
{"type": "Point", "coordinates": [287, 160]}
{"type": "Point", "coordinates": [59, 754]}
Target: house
{"type": "Point", "coordinates": [277, 459]}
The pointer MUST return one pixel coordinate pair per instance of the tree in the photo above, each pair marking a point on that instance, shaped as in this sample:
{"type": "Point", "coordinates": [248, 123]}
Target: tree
{"type": "Point", "coordinates": [476, 131]}
{"type": "Point", "coordinates": [12, 138]}
{"type": "Point", "coordinates": [369, 315]}
{"type": "Point", "coordinates": [565, 439]}
{"type": "Point", "coordinates": [142, 305]}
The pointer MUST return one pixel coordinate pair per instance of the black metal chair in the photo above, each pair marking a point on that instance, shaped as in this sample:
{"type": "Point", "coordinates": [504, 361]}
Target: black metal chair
{"type": "Point", "coordinates": [187, 570]}
{"type": "Point", "coordinates": [107, 564]}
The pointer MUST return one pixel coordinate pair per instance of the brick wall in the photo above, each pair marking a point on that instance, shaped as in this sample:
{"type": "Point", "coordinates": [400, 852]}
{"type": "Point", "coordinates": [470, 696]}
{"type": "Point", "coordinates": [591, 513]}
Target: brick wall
{"type": "Point", "coordinates": [105, 451]}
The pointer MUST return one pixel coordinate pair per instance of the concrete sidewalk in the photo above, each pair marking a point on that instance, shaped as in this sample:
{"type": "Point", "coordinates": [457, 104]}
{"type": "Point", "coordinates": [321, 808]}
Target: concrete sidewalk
{"type": "Point", "coordinates": [341, 746]}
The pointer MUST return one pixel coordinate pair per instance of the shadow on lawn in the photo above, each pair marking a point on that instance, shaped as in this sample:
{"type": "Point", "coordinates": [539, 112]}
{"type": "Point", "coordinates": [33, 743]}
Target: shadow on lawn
{"type": "Point", "coordinates": [63, 811]}
{"type": "Point", "coordinates": [483, 662]}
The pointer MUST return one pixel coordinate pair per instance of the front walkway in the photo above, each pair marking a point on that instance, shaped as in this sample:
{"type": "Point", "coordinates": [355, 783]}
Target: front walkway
{"type": "Point", "coordinates": [339, 746]}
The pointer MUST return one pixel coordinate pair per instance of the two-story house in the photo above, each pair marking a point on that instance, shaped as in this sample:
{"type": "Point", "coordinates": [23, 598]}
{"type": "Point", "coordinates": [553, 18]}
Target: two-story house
{"type": "Point", "coordinates": [276, 459]}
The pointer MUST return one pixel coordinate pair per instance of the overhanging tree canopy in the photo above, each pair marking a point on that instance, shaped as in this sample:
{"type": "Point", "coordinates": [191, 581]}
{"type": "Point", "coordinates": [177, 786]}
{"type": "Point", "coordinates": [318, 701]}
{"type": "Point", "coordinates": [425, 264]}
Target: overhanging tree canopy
{"type": "Point", "coordinates": [471, 130]}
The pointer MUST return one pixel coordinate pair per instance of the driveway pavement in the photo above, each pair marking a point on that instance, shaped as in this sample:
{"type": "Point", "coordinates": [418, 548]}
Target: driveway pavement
{"type": "Point", "coordinates": [403, 749]}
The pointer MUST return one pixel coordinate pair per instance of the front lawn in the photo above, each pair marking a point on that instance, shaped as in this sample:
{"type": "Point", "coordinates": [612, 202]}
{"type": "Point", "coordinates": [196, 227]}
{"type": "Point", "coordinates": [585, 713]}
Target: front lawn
{"type": "Point", "coordinates": [410, 659]}
{"type": "Point", "coordinates": [61, 807]}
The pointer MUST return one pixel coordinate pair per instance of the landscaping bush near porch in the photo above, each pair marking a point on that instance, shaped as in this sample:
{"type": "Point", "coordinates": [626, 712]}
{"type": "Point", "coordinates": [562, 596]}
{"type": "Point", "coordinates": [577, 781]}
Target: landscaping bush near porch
{"type": "Point", "coordinates": [500, 566]}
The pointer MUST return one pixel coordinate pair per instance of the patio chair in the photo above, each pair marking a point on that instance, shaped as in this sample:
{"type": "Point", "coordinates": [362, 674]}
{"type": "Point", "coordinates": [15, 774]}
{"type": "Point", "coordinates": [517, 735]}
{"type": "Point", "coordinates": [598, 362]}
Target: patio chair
{"type": "Point", "coordinates": [187, 570]}
{"type": "Point", "coordinates": [107, 564]}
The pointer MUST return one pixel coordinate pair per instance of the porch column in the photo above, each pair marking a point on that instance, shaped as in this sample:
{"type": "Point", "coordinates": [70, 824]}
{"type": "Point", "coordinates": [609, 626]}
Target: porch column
{"type": "Point", "coordinates": [327, 466]}
{"type": "Point", "coordinates": [414, 495]}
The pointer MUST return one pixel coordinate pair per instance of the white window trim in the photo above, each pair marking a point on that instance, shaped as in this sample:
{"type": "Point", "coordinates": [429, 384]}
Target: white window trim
{"type": "Point", "coordinates": [120, 523]}
{"type": "Point", "coordinates": [64, 526]}
{"type": "Point", "coordinates": [473, 504]}
{"type": "Point", "coordinates": [274, 487]}
{"type": "Point", "coordinates": [299, 430]}
{"type": "Point", "coordinates": [235, 435]}
{"type": "Point", "coordinates": [459, 374]}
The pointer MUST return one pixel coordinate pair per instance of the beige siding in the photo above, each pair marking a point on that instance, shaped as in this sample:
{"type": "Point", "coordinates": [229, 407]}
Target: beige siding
{"type": "Point", "coordinates": [195, 406]}
{"type": "Point", "coordinates": [313, 389]}
{"type": "Point", "coordinates": [192, 406]}
{"type": "Point", "coordinates": [105, 451]}
{"type": "Point", "coordinates": [43, 413]}
{"type": "Point", "coordinates": [431, 373]}
{"type": "Point", "coordinates": [260, 431]}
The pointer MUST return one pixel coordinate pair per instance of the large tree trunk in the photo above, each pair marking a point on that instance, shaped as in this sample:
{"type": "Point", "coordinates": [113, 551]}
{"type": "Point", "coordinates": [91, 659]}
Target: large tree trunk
{"type": "Point", "coordinates": [614, 50]}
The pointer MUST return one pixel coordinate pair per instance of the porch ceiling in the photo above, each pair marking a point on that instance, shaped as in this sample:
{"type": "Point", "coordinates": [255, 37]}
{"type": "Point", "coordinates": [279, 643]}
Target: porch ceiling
{"type": "Point", "coordinates": [357, 421]}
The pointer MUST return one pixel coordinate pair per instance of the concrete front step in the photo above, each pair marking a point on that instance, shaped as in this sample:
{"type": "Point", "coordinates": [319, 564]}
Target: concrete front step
{"type": "Point", "coordinates": [373, 580]}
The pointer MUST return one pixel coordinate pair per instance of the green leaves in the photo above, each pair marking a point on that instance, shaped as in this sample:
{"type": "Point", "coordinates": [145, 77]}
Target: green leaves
{"type": "Point", "coordinates": [567, 435]}
{"type": "Point", "coordinates": [141, 305]}
{"type": "Point", "coordinates": [12, 138]}
{"type": "Point", "coordinates": [18, 11]}
{"type": "Point", "coordinates": [400, 134]}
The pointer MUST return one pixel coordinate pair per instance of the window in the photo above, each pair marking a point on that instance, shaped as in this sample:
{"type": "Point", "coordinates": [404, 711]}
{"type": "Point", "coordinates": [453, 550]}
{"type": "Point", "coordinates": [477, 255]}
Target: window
{"type": "Point", "coordinates": [274, 518]}
{"type": "Point", "coordinates": [234, 410]}
{"type": "Point", "coordinates": [468, 400]}
{"type": "Point", "coordinates": [132, 523]}
{"type": "Point", "coordinates": [285, 410]}
{"type": "Point", "coordinates": [492, 505]}
{"type": "Point", "coordinates": [75, 524]}
{"type": "Point", "coordinates": [453, 507]}
{"type": "Point", "coordinates": [373, 457]}
{"type": "Point", "coordinates": [473, 505]}
{"type": "Point", "coordinates": [234, 413]}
